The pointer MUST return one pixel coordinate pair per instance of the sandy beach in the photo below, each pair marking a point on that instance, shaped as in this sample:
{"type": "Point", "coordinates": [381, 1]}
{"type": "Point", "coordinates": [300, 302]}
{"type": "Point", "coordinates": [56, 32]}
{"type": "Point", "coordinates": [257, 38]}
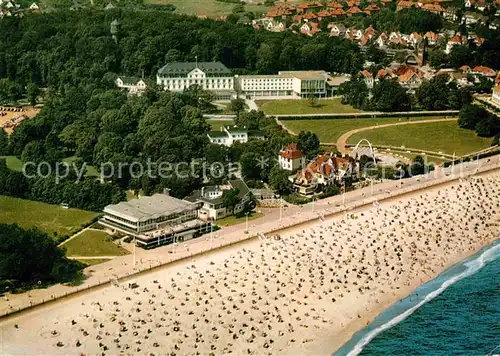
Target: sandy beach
{"type": "Point", "coordinates": [305, 291]}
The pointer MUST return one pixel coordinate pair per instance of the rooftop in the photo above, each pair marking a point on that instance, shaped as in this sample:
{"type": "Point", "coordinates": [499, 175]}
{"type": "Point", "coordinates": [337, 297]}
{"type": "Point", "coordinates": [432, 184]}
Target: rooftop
{"type": "Point", "coordinates": [146, 208]}
{"type": "Point", "coordinates": [307, 74]}
{"type": "Point", "coordinates": [183, 68]}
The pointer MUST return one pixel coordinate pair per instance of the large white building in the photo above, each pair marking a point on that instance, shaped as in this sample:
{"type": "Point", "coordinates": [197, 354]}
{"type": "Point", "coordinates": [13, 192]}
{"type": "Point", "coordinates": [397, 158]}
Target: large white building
{"type": "Point", "coordinates": [156, 220]}
{"type": "Point", "coordinates": [228, 135]}
{"type": "Point", "coordinates": [212, 76]}
{"type": "Point", "coordinates": [292, 84]}
{"type": "Point", "coordinates": [291, 158]}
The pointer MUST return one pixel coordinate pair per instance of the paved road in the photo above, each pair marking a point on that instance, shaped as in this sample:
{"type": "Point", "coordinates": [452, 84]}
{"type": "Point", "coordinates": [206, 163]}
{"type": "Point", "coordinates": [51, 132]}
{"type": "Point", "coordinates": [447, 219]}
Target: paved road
{"type": "Point", "coordinates": [290, 216]}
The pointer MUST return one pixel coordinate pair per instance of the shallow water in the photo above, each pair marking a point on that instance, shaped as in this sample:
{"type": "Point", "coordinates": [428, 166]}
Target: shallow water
{"type": "Point", "coordinates": [457, 313]}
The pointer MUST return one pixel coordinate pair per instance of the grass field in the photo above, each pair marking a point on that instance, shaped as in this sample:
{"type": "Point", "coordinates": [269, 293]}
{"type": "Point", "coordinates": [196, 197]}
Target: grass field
{"type": "Point", "coordinates": [49, 218]}
{"type": "Point", "coordinates": [444, 137]}
{"type": "Point", "coordinates": [210, 8]}
{"type": "Point", "coordinates": [217, 124]}
{"type": "Point", "coordinates": [330, 130]}
{"type": "Point", "coordinates": [13, 163]}
{"type": "Point", "coordinates": [93, 243]}
{"type": "Point", "coordinates": [233, 220]}
{"type": "Point", "coordinates": [297, 107]}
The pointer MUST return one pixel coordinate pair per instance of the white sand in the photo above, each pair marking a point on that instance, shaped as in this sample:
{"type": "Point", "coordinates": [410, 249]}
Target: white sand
{"type": "Point", "coordinates": [305, 292]}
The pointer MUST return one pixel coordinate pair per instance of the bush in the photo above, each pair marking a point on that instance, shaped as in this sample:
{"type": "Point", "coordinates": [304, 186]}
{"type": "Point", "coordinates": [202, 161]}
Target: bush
{"type": "Point", "coordinates": [296, 199]}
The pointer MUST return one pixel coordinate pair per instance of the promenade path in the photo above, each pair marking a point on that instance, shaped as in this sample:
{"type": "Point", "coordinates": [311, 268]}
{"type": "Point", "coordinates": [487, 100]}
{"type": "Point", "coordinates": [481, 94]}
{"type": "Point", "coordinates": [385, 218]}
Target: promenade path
{"type": "Point", "coordinates": [342, 140]}
{"type": "Point", "coordinates": [276, 220]}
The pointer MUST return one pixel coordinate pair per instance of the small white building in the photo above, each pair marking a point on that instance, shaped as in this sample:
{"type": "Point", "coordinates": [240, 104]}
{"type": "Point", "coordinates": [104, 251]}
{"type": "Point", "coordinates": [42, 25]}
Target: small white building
{"type": "Point", "coordinates": [495, 96]}
{"type": "Point", "coordinates": [228, 135]}
{"type": "Point", "coordinates": [291, 158]}
{"type": "Point", "coordinates": [132, 84]}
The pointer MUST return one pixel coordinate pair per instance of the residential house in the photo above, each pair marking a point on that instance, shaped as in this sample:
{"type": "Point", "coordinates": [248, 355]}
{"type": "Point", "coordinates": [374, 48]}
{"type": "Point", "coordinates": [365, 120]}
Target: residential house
{"type": "Point", "coordinates": [410, 80]}
{"type": "Point", "coordinates": [353, 11]}
{"type": "Point", "coordinates": [310, 28]}
{"type": "Point", "coordinates": [382, 40]}
{"type": "Point", "coordinates": [291, 158]}
{"type": "Point", "coordinates": [228, 135]}
{"type": "Point", "coordinates": [211, 203]}
{"type": "Point", "coordinates": [133, 85]}
{"type": "Point", "coordinates": [465, 69]}
{"type": "Point", "coordinates": [415, 37]}
{"type": "Point", "coordinates": [434, 8]}
{"type": "Point", "coordinates": [432, 38]}
{"type": "Point", "coordinates": [324, 170]}
{"type": "Point", "coordinates": [484, 71]}
{"type": "Point", "coordinates": [34, 7]}
{"type": "Point", "coordinates": [404, 5]}
{"type": "Point", "coordinates": [456, 40]}
{"type": "Point", "coordinates": [337, 30]}
{"type": "Point", "coordinates": [368, 78]}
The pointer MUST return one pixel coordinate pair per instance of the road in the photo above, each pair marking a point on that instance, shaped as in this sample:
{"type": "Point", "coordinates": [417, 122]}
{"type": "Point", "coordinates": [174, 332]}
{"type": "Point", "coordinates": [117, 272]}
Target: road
{"type": "Point", "coordinates": [123, 267]}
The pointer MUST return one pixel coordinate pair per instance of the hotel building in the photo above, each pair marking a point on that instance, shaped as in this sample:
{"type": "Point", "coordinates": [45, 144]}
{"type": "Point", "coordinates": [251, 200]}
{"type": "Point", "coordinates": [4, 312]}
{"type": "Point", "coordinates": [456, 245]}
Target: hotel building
{"type": "Point", "coordinates": [212, 76]}
{"type": "Point", "coordinates": [156, 220]}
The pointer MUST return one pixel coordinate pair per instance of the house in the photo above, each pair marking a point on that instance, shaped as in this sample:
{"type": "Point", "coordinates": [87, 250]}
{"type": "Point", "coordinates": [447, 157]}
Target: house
{"type": "Point", "coordinates": [372, 8]}
{"type": "Point", "coordinates": [465, 69]}
{"type": "Point", "coordinates": [495, 96]}
{"type": "Point", "coordinates": [338, 12]}
{"type": "Point", "coordinates": [456, 40]}
{"type": "Point", "coordinates": [337, 30]}
{"type": "Point", "coordinates": [34, 7]}
{"type": "Point", "coordinates": [156, 220]}
{"type": "Point", "coordinates": [370, 32]}
{"type": "Point", "coordinates": [291, 158]}
{"type": "Point", "coordinates": [324, 170]}
{"type": "Point", "coordinates": [228, 135]}
{"type": "Point", "coordinates": [134, 85]}
{"type": "Point", "coordinates": [450, 13]}
{"type": "Point", "coordinates": [415, 37]}
{"type": "Point", "coordinates": [367, 77]}
{"type": "Point", "coordinates": [384, 74]}
{"type": "Point", "coordinates": [484, 71]}
{"type": "Point", "coordinates": [353, 11]}
{"type": "Point", "coordinates": [434, 8]}
{"type": "Point", "coordinates": [410, 80]}
{"type": "Point", "coordinates": [432, 38]}
{"type": "Point", "coordinates": [310, 28]}
{"type": "Point", "coordinates": [404, 5]}
{"type": "Point", "coordinates": [382, 40]}
{"type": "Point", "coordinates": [211, 203]}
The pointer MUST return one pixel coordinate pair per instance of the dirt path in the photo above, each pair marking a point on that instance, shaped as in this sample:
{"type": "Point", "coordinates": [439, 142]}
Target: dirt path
{"type": "Point", "coordinates": [342, 141]}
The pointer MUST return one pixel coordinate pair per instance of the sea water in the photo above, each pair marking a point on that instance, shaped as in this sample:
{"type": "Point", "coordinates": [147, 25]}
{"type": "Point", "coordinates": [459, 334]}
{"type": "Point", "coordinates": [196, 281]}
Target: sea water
{"type": "Point", "coordinates": [457, 313]}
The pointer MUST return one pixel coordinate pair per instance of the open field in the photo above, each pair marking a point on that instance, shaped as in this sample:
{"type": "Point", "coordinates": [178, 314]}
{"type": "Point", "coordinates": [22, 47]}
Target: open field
{"type": "Point", "coordinates": [49, 218]}
{"type": "Point", "coordinates": [330, 130]}
{"type": "Point", "coordinates": [210, 8]}
{"type": "Point", "coordinates": [13, 163]}
{"type": "Point", "coordinates": [217, 124]}
{"type": "Point", "coordinates": [93, 243]}
{"type": "Point", "coordinates": [233, 220]}
{"type": "Point", "coordinates": [444, 137]}
{"type": "Point", "coordinates": [297, 107]}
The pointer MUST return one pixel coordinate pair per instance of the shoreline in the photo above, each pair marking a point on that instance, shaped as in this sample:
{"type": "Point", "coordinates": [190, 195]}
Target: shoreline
{"type": "Point", "coordinates": [300, 256]}
{"type": "Point", "coordinates": [357, 326]}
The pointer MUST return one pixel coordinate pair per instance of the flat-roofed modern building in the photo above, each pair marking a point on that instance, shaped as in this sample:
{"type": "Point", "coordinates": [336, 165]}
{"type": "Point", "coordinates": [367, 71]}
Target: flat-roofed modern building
{"type": "Point", "coordinates": [211, 76]}
{"type": "Point", "coordinates": [288, 84]}
{"type": "Point", "coordinates": [156, 220]}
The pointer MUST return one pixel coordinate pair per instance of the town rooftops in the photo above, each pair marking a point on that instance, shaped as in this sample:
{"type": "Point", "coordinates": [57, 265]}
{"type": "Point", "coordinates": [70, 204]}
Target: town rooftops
{"type": "Point", "coordinates": [486, 71]}
{"type": "Point", "coordinates": [291, 151]}
{"type": "Point", "coordinates": [496, 89]}
{"type": "Point", "coordinates": [179, 69]}
{"type": "Point", "coordinates": [146, 208]}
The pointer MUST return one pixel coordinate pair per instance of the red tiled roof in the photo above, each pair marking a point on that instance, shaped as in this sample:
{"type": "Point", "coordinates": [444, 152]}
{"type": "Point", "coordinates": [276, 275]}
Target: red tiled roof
{"type": "Point", "coordinates": [335, 5]}
{"type": "Point", "coordinates": [291, 152]}
{"type": "Point", "coordinates": [354, 10]}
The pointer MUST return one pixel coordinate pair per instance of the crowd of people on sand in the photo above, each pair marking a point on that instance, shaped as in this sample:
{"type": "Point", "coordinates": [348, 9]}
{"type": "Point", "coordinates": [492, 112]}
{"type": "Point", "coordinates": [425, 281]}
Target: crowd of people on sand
{"type": "Point", "coordinates": [277, 294]}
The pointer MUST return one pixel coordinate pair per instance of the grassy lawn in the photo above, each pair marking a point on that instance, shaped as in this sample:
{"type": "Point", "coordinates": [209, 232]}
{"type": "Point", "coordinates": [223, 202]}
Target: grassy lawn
{"type": "Point", "coordinates": [331, 129]}
{"type": "Point", "coordinates": [91, 170]}
{"type": "Point", "coordinates": [49, 218]}
{"type": "Point", "coordinates": [297, 107]}
{"type": "Point", "coordinates": [217, 124]}
{"type": "Point", "coordinates": [210, 8]}
{"type": "Point", "coordinates": [93, 243]}
{"type": "Point", "coordinates": [13, 163]}
{"type": "Point", "coordinates": [233, 220]}
{"type": "Point", "coordinates": [444, 137]}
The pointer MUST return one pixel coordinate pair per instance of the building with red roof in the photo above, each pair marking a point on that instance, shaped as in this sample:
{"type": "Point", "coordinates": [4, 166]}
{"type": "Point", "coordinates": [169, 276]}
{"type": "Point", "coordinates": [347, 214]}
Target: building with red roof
{"type": "Point", "coordinates": [291, 157]}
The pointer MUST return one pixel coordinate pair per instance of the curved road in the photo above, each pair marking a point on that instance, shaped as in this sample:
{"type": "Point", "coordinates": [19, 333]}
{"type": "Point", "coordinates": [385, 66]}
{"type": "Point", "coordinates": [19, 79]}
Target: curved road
{"type": "Point", "coordinates": [342, 140]}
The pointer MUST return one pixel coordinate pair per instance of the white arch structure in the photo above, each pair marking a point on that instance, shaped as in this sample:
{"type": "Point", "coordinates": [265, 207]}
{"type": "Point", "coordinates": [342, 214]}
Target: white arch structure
{"type": "Point", "coordinates": [355, 151]}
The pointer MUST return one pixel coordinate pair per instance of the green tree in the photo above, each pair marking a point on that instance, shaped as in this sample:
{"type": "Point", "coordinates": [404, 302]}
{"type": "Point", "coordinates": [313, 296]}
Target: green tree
{"type": "Point", "coordinates": [471, 115]}
{"type": "Point", "coordinates": [230, 198]}
{"type": "Point", "coordinates": [388, 95]}
{"type": "Point", "coordinates": [237, 106]}
{"type": "Point", "coordinates": [308, 143]}
{"type": "Point", "coordinates": [4, 143]}
{"type": "Point", "coordinates": [32, 92]}
{"type": "Point", "coordinates": [278, 179]}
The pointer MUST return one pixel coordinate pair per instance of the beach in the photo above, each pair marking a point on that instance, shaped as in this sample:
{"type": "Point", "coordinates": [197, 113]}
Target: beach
{"type": "Point", "coordinates": [304, 291]}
